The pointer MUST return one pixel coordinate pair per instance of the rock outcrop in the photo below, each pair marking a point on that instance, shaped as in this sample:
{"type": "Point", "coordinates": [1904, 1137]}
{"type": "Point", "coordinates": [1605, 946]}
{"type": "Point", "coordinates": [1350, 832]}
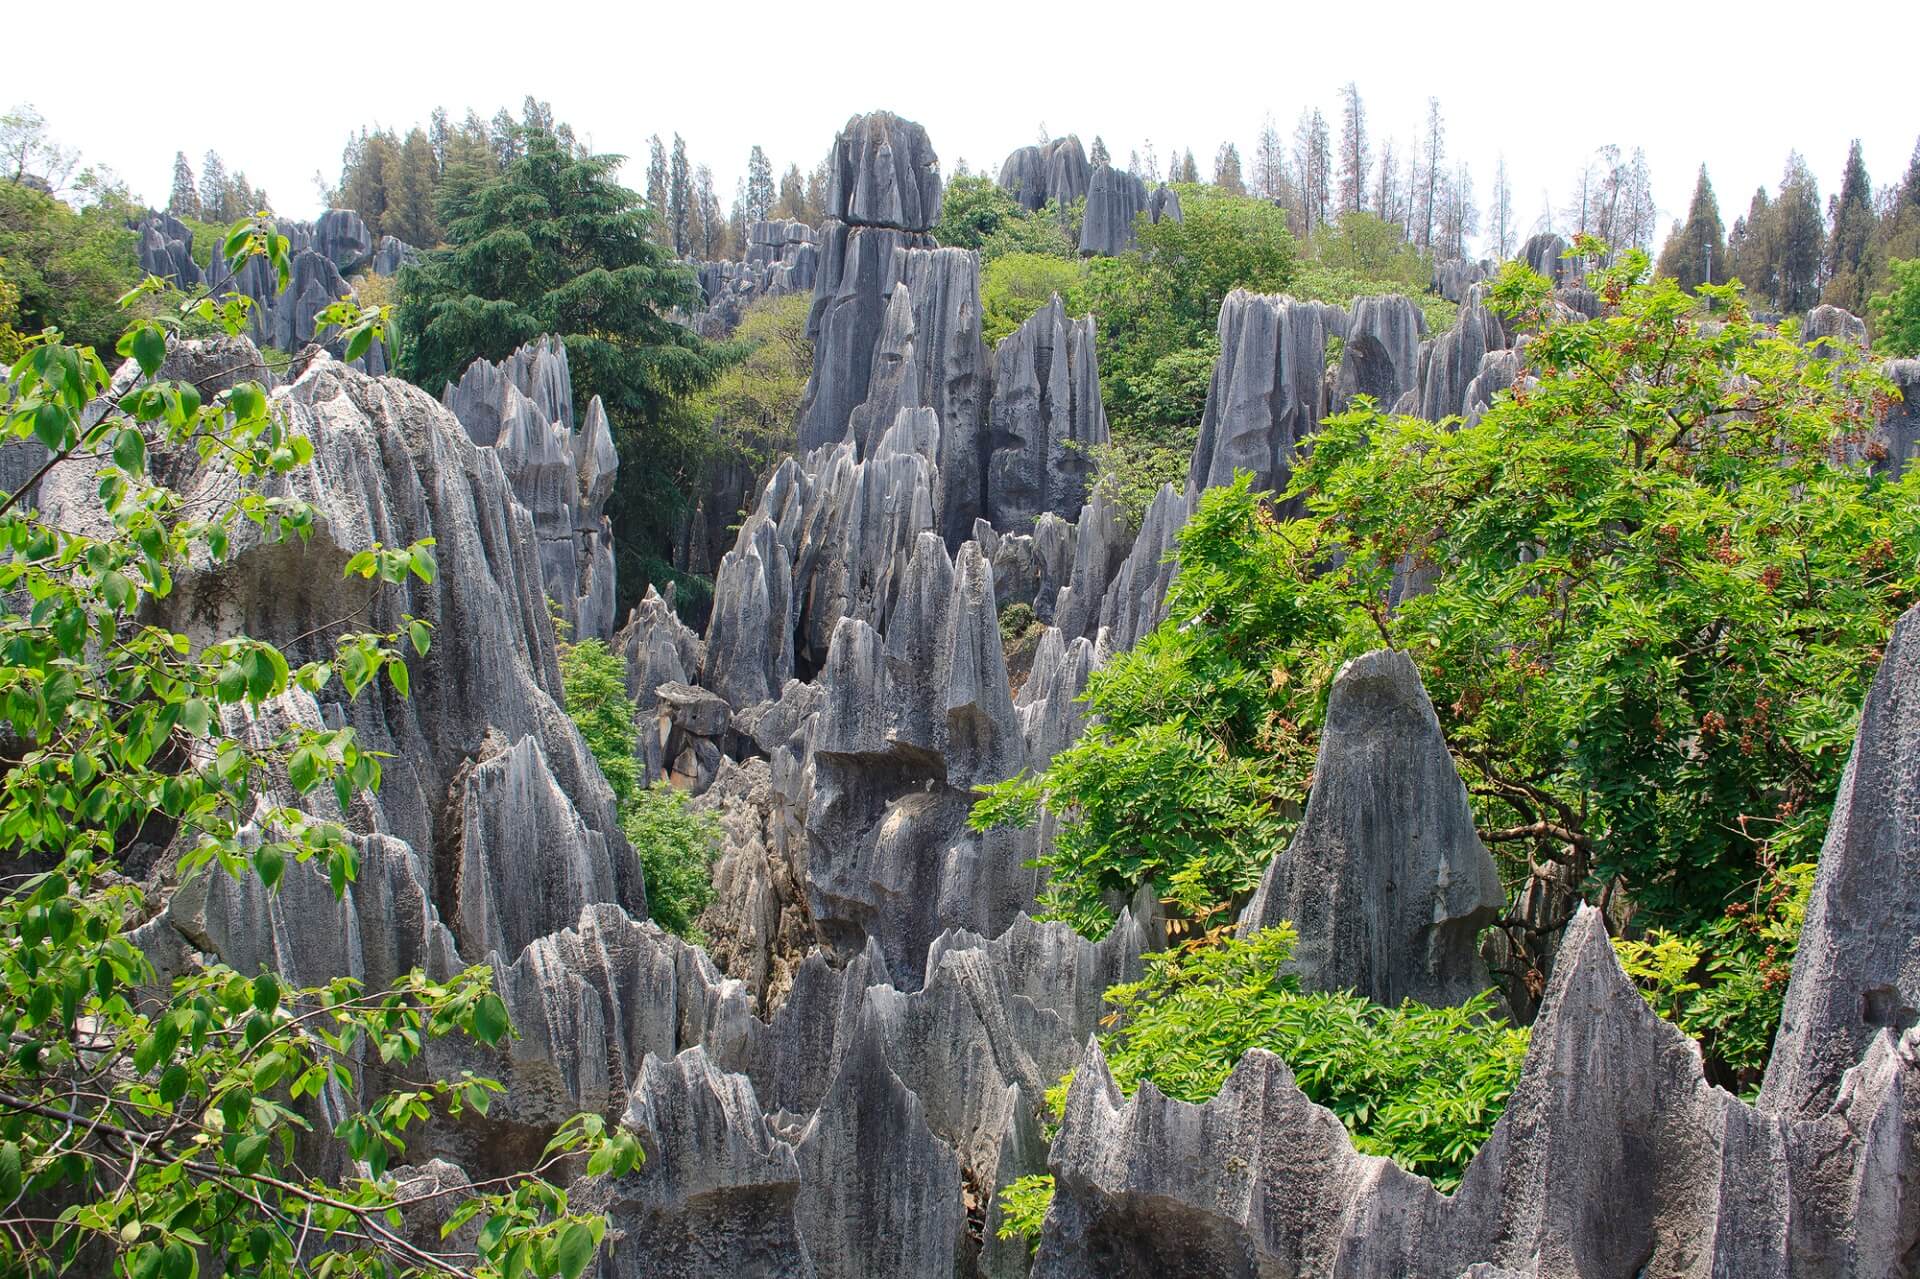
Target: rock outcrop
{"type": "Point", "coordinates": [1386, 879]}
{"type": "Point", "coordinates": [1055, 170]}
{"type": "Point", "coordinates": [1115, 200]}
{"type": "Point", "coordinates": [1856, 975]}
{"type": "Point", "coordinates": [522, 409]}
{"type": "Point", "coordinates": [1044, 421]}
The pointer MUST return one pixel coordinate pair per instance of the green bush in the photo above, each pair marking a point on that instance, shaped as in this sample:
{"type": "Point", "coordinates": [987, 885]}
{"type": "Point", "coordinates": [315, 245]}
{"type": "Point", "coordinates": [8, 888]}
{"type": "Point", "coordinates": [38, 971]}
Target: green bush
{"type": "Point", "coordinates": [1896, 313]}
{"type": "Point", "coordinates": [976, 214]}
{"type": "Point", "coordinates": [1421, 1086]}
{"type": "Point", "coordinates": [675, 844]}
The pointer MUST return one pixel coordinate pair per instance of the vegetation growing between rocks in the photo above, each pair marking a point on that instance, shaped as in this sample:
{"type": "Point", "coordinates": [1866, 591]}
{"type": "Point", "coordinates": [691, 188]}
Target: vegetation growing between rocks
{"type": "Point", "coordinates": [1422, 1086]}
{"type": "Point", "coordinates": [152, 1128]}
{"type": "Point", "coordinates": [675, 844]}
{"type": "Point", "coordinates": [1656, 582]}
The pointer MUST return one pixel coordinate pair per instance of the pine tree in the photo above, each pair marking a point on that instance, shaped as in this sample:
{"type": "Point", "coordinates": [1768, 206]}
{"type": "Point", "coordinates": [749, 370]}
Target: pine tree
{"type": "Point", "coordinates": [680, 200]}
{"type": "Point", "coordinates": [1353, 150]}
{"type": "Point", "coordinates": [1313, 163]}
{"type": "Point", "coordinates": [657, 190]}
{"type": "Point", "coordinates": [1434, 153]}
{"type": "Point", "coordinates": [737, 219]}
{"type": "Point", "coordinates": [713, 223]}
{"type": "Point", "coordinates": [793, 195]}
{"type": "Point", "coordinates": [1752, 252]}
{"type": "Point", "coordinates": [370, 180]}
{"type": "Point", "coordinates": [1098, 155]}
{"type": "Point", "coordinates": [1501, 213]}
{"type": "Point", "coordinates": [410, 214]}
{"type": "Point", "coordinates": [553, 244]}
{"type": "Point", "coordinates": [1189, 171]}
{"type": "Point", "coordinates": [1801, 237]}
{"type": "Point", "coordinates": [1696, 251]}
{"type": "Point", "coordinates": [817, 184]}
{"type": "Point", "coordinates": [1226, 170]}
{"type": "Point", "coordinates": [760, 193]}
{"type": "Point", "coordinates": [1849, 265]}
{"type": "Point", "coordinates": [1270, 164]}
{"type": "Point", "coordinates": [1386, 194]}
{"type": "Point", "coordinates": [504, 134]}
{"type": "Point", "coordinates": [184, 200]}
{"type": "Point", "coordinates": [214, 192]}
{"type": "Point", "coordinates": [440, 137]}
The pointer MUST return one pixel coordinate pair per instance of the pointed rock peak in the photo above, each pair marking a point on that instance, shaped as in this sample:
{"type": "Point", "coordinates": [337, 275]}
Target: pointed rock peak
{"type": "Point", "coordinates": [914, 431]}
{"type": "Point", "coordinates": [884, 173]}
{"type": "Point", "coordinates": [1857, 970]}
{"type": "Point", "coordinates": [1386, 879]}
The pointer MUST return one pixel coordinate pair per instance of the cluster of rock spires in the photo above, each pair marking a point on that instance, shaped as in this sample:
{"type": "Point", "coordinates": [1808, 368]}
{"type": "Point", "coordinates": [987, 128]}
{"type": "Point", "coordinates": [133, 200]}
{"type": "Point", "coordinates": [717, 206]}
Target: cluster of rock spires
{"type": "Point", "coordinates": [522, 408]}
{"type": "Point", "coordinates": [781, 257]}
{"type": "Point", "coordinates": [1057, 172]}
{"type": "Point", "coordinates": [841, 1078]}
{"type": "Point", "coordinates": [323, 254]}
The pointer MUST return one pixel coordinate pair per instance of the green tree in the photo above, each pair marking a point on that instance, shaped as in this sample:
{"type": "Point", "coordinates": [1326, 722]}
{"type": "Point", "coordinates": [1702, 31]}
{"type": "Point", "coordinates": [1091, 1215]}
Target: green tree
{"type": "Point", "coordinates": [1849, 266]}
{"type": "Point", "coordinates": [1896, 313]}
{"type": "Point", "coordinates": [976, 214]}
{"type": "Point", "coordinates": [410, 214]}
{"type": "Point", "coordinates": [1696, 252]}
{"type": "Point", "coordinates": [1800, 238]}
{"type": "Point", "coordinates": [752, 406]}
{"type": "Point", "coordinates": [760, 189]}
{"type": "Point", "coordinates": [553, 244]}
{"type": "Point", "coordinates": [1374, 249]}
{"type": "Point", "coordinates": [1015, 285]}
{"type": "Point", "coordinates": [657, 189]}
{"type": "Point", "coordinates": [1159, 305]}
{"type": "Point", "coordinates": [184, 200]}
{"type": "Point", "coordinates": [680, 200]}
{"type": "Point", "coordinates": [1656, 594]}
{"type": "Point", "coordinates": [66, 269]}
{"type": "Point", "coordinates": [144, 1127]}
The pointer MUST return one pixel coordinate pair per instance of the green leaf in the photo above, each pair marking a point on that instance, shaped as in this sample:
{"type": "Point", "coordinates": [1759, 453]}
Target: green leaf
{"type": "Point", "coordinates": [173, 1084]}
{"type": "Point", "coordinates": [421, 635]}
{"type": "Point", "coordinates": [576, 1250]}
{"type": "Point", "coordinates": [397, 672]}
{"type": "Point", "coordinates": [130, 451]}
{"type": "Point", "coordinates": [149, 348]}
{"type": "Point", "coordinates": [270, 863]}
{"type": "Point", "coordinates": [9, 1172]}
{"type": "Point", "coordinates": [489, 1019]}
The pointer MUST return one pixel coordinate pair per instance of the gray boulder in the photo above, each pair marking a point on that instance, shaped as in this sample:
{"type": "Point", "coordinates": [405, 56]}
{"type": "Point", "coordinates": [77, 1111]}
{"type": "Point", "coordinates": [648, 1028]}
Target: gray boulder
{"type": "Point", "coordinates": [1898, 432]}
{"type": "Point", "coordinates": [343, 239]}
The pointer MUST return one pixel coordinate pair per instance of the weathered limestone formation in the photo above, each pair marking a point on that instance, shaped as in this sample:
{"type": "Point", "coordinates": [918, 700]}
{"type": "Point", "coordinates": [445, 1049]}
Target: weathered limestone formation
{"type": "Point", "coordinates": [658, 650]}
{"type": "Point", "coordinates": [391, 254]}
{"type": "Point", "coordinates": [716, 1192]}
{"type": "Point", "coordinates": [1269, 390]}
{"type": "Point", "coordinates": [1386, 879]}
{"type": "Point", "coordinates": [1453, 360]}
{"type": "Point", "coordinates": [1115, 199]}
{"type": "Point", "coordinates": [522, 408]}
{"type": "Point", "coordinates": [1044, 418]}
{"type": "Point", "coordinates": [1899, 430]}
{"type": "Point", "coordinates": [1055, 170]}
{"type": "Point", "coordinates": [1613, 1157]}
{"type": "Point", "coordinates": [343, 239]}
{"type": "Point", "coordinates": [954, 376]}
{"type": "Point", "coordinates": [1164, 205]}
{"type": "Point", "coordinates": [1838, 327]}
{"type": "Point", "coordinates": [1135, 602]}
{"type": "Point", "coordinates": [165, 248]}
{"type": "Point", "coordinates": [1543, 254]}
{"type": "Point", "coordinates": [1452, 278]}
{"type": "Point", "coordinates": [1381, 354]}
{"type": "Point", "coordinates": [1857, 971]}
{"type": "Point", "coordinates": [781, 257]}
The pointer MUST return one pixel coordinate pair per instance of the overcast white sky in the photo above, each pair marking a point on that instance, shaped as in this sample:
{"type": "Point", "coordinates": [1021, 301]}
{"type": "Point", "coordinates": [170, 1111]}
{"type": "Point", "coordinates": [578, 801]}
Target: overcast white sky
{"type": "Point", "coordinates": [1735, 88]}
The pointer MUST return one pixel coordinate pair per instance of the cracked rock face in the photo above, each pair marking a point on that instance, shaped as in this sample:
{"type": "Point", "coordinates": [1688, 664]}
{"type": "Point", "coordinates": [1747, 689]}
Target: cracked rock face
{"type": "Point", "coordinates": [1115, 201]}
